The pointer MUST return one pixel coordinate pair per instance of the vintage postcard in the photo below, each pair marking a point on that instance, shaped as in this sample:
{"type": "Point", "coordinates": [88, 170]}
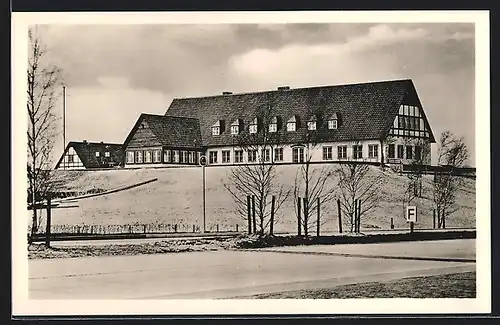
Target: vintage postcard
{"type": "Point", "coordinates": [251, 163]}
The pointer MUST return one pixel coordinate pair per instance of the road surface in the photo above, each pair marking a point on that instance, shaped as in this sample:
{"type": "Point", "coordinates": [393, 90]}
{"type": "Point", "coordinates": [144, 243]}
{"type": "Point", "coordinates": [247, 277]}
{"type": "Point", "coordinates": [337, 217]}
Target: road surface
{"type": "Point", "coordinates": [226, 274]}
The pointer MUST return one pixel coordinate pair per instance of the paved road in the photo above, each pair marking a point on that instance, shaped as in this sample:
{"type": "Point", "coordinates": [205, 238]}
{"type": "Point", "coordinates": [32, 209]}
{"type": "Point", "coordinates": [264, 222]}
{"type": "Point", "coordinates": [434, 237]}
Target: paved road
{"type": "Point", "coordinates": [226, 274]}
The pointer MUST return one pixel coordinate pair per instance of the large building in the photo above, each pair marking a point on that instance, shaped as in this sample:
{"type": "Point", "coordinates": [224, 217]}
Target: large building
{"type": "Point", "coordinates": [370, 122]}
{"type": "Point", "coordinates": [91, 155]}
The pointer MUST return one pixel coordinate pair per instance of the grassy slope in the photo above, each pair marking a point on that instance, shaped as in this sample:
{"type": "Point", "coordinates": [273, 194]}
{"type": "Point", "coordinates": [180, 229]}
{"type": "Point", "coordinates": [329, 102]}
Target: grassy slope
{"type": "Point", "coordinates": [177, 198]}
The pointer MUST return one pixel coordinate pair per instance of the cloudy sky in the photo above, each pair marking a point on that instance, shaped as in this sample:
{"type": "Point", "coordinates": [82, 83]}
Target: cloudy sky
{"type": "Point", "coordinates": [115, 73]}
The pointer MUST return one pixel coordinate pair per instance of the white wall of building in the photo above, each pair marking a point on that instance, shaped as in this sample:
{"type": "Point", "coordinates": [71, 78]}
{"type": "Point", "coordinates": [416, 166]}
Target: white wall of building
{"type": "Point", "coordinates": [75, 164]}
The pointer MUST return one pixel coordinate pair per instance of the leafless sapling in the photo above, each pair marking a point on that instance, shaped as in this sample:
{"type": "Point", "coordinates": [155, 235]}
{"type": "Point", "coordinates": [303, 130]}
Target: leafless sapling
{"type": "Point", "coordinates": [355, 182]}
{"type": "Point", "coordinates": [257, 176]}
{"type": "Point", "coordinates": [44, 80]}
{"type": "Point", "coordinates": [452, 153]}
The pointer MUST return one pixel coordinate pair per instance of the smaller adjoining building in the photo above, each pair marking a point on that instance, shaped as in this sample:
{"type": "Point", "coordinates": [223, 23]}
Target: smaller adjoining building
{"type": "Point", "coordinates": [156, 140]}
{"type": "Point", "coordinates": [91, 155]}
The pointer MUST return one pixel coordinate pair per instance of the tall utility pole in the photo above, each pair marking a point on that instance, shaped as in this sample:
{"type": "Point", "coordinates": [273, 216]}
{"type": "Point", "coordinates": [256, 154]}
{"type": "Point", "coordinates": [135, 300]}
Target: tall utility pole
{"type": "Point", "coordinates": [64, 118]}
{"type": "Point", "coordinates": [203, 162]}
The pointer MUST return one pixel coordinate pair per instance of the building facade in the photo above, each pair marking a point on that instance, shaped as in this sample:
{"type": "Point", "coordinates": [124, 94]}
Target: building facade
{"type": "Point", "coordinates": [91, 155]}
{"type": "Point", "coordinates": [378, 122]}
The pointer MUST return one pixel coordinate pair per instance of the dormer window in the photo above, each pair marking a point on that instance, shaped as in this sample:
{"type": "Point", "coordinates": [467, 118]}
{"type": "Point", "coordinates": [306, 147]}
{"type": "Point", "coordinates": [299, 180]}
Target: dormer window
{"type": "Point", "coordinates": [333, 122]}
{"type": "Point", "coordinates": [291, 124]}
{"type": "Point", "coordinates": [235, 127]}
{"type": "Point", "coordinates": [254, 126]}
{"type": "Point", "coordinates": [218, 127]}
{"type": "Point", "coordinates": [311, 124]}
{"type": "Point", "coordinates": [273, 126]}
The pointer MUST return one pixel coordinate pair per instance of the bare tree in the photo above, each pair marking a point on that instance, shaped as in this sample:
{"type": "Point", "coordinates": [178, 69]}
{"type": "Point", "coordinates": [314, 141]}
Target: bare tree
{"type": "Point", "coordinates": [312, 181]}
{"type": "Point", "coordinates": [356, 183]}
{"type": "Point", "coordinates": [44, 79]}
{"type": "Point", "coordinates": [257, 178]}
{"type": "Point", "coordinates": [452, 153]}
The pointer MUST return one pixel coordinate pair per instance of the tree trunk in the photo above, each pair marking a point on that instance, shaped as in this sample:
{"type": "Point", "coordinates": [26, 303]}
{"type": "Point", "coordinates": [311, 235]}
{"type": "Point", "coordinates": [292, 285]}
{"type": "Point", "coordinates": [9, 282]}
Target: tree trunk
{"type": "Point", "coordinates": [249, 215]}
{"type": "Point", "coordinates": [271, 225]}
{"type": "Point", "coordinates": [317, 219]}
{"type": "Point", "coordinates": [254, 221]}
{"type": "Point", "coordinates": [48, 222]}
{"type": "Point", "coordinates": [340, 216]}
{"type": "Point", "coordinates": [261, 212]}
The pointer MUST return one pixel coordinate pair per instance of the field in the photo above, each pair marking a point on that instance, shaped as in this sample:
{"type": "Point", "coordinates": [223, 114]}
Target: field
{"type": "Point", "coordinates": [176, 198]}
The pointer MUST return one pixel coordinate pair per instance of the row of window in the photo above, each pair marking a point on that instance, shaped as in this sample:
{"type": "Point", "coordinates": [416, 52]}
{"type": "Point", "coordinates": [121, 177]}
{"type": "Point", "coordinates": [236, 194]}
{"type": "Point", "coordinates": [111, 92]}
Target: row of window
{"type": "Point", "coordinates": [273, 127]}
{"type": "Point", "coordinates": [297, 154]}
{"type": "Point", "coordinates": [412, 152]}
{"type": "Point", "coordinates": [251, 155]}
{"type": "Point", "coordinates": [357, 152]}
{"type": "Point", "coordinates": [191, 157]}
{"type": "Point", "coordinates": [155, 156]}
{"type": "Point", "coordinates": [106, 154]}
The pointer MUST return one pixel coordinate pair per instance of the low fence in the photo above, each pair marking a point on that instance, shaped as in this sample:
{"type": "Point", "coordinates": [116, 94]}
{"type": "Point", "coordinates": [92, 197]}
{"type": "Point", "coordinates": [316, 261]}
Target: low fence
{"type": "Point", "coordinates": [427, 169]}
{"type": "Point", "coordinates": [139, 229]}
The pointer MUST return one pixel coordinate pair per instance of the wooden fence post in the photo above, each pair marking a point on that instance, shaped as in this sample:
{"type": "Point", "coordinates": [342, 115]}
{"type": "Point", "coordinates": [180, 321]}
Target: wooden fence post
{"type": "Point", "coordinates": [236, 227]}
{"type": "Point", "coordinates": [49, 221]}
{"type": "Point", "coordinates": [340, 216]}
{"type": "Point", "coordinates": [306, 217]}
{"type": "Point", "coordinates": [434, 219]}
{"type": "Point", "coordinates": [392, 223]}
{"type": "Point", "coordinates": [175, 228]}
{"type": "Point", "coordinates": [359, 216]}
{"type": "Point", "coordinates": [355, 220]}
{"type": "Point", "coordinates": [317, 219]}
{"type": "Point", "coordinates": [444, 220]}
{"type": "Point", "coordinates": [271, 226]}
{"type": "Point", "coordinates": [299, 219]}
{"type": "Point", "coordinates": [254, 221]}
{"type": "Point", "coordinates": [249, 215]}
{"type": "Point", "coordinates": [217, 226]}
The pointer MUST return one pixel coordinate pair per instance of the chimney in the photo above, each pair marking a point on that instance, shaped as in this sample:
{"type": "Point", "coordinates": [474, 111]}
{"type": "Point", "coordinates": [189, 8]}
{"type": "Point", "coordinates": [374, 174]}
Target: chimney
{"type": "Point", "coordinates": [85, 141]}
{"type": "Point", "coordinates": [284, 88]}
{"type": "Point", "coordinates": [227, 93]}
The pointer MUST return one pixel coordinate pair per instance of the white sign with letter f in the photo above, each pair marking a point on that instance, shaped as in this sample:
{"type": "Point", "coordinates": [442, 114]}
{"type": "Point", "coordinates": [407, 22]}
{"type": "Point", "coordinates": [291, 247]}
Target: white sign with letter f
{"type": "Point", "coordinates": [411, 214]}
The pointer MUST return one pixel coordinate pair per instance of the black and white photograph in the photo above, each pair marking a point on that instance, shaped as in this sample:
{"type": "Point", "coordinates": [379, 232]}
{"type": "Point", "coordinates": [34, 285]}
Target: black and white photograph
{"type": "Point", "coordinates": [178, 163]}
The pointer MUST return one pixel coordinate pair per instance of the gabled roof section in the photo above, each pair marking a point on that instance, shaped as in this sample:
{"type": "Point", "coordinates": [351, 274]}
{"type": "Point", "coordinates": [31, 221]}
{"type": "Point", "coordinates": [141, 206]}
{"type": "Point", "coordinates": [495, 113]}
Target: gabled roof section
{"type": "Point", "coordinates": [236, 122]}
{"type": "Point", "coordinates": [292, 119]}
{"type": "Point", "coordinates": [333, 116]}
{"type": "Point", "coordinates": [170, 131]}
{"type": "Point", "coordinates": [367, 109]}
{"type": "Point", "coordinates": [86, 151]}
{"type": "Point", "coordinates": [312, 118]}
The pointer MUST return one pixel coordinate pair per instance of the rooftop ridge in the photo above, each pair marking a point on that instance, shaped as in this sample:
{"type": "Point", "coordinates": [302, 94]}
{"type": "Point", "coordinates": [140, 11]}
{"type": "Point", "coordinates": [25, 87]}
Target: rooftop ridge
{"type": "Point", "coordinates": [97, 143]}
{"type": "Point", "coordinates": [169, 116]}
{"type": "Point", "coordinates": [294, 89]}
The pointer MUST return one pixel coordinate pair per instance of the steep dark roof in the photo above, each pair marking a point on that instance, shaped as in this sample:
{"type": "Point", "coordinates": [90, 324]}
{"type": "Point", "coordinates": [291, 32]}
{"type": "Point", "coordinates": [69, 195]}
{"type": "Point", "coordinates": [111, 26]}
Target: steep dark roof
{"type": "Point", "coordinates": [86, 152]}
{"type": "Point", "coordinates": [170, 130]}
{"type": "Point", "coordinates": [368, 109]}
